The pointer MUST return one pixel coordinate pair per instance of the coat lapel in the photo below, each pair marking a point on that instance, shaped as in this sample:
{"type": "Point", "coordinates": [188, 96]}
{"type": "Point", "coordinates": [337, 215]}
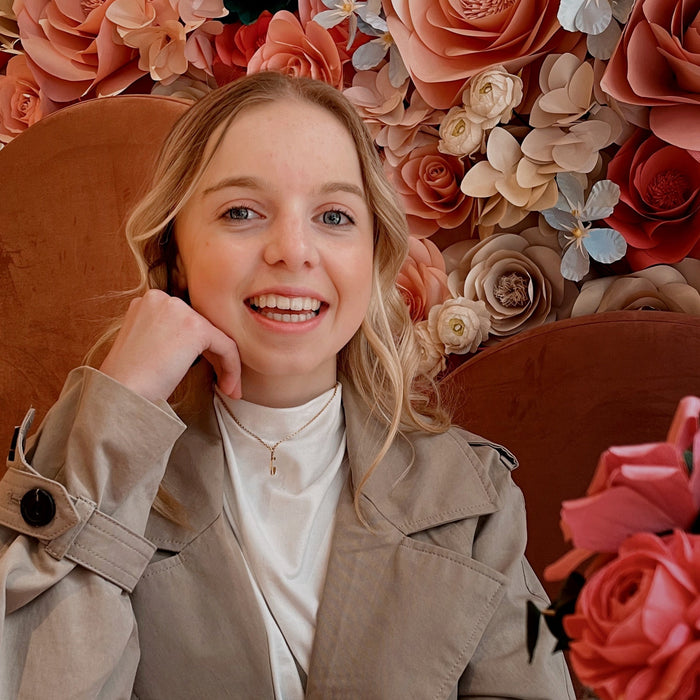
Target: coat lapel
{"type": "Point", "coordinates": [393, 603]}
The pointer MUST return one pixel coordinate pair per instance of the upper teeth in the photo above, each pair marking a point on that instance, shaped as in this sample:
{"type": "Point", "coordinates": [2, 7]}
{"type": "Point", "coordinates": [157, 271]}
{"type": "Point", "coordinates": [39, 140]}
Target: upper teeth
{"type": "Point", "coordinates": [275, 301]}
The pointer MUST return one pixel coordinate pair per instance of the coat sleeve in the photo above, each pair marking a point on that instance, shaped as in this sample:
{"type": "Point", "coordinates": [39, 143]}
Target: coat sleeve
{"type": "Point", "coordinates": [500, 667]}
{"type": "Point", "coordinates": [73, 510]}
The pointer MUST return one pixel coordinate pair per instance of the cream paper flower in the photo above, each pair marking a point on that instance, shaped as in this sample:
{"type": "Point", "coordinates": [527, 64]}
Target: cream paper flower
{"type": "Point", "coordinates": [491, 96]}
{"type": "Point", "coordinates": [517, 279]}
{"type": "Point", "coordinates": [460, 325]}
{"type": "Point", "coordinates": [433, 359]}
{"type": "Point", "coordinates": [660, 287]}
{"type": "Point", "coordinates": [511, 183]}
{"type": "Point", "coordinates": [459, 135]}
{"type": "Point", "coordinates": [567, 91]}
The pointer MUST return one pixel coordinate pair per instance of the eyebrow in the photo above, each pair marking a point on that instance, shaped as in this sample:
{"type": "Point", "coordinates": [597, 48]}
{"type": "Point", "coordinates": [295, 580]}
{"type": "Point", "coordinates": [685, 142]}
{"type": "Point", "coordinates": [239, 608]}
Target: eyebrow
{"type": "Point", "coordinates": [254, 183]}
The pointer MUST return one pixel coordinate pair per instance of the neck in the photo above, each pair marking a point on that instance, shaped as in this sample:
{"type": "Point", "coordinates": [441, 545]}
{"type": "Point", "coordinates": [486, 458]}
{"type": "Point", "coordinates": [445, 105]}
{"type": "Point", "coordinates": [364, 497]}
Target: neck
{"type": "Point", "coordinates": [284, 391]}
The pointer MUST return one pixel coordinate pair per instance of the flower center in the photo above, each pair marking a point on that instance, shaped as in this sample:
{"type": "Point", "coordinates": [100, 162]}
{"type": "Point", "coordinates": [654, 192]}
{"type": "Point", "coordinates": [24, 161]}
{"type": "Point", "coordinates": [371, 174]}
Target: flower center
{"type": "Point", "coordinates": [457, 326]}
{"type": "Point", "coordinates": [87, 6]}
{"type": "Point", "coordinates": [459, 128]}
{"type": "Point", "coordinates": [486, 89]}
{"type": "Point", "coordinates": [668, 189]}
{"type": "Point", "coordinates": [477, 9]}
{"type": "Point", "coordinates": [511, 290]}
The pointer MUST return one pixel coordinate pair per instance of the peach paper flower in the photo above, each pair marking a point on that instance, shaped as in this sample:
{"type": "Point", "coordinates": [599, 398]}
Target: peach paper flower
{"type": "Point", "coordinates": [22, 102]}
{"type": "Point", "coordinates": [236, 45]}
{"type": "Point", "coordinates": [519, 282]}
{"type": "Point", "coordinates": [73, 50]}
{"type": "Point", "coordinates": [447, 42]}
{"type": "Point", "coordinates": [301, 51]}
{"type": "Point", "coordinates": [491, 96]}
{"type": "Point", "coordinates": [657, 64]}
{"type": "Point", "coordinates": [427, 182]}
{"type": "Point", "coordinates": [422, 279]}
{"type": "Point", "coordinates": [636, 630]}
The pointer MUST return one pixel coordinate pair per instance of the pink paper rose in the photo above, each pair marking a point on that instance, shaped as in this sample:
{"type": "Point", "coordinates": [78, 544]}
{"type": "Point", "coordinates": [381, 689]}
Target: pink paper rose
{"type": "Point", "coordinates": [636, 629]}
{"type": "Point", "coordinates": [445, 43]}
{"type": "Point", "coordinates": [302, 51]}
{"type": "Point", "coordinates": [22, 102]}
{"type": "Point", "coordinates": [428, 183]}
{"type": "Point", "coordinates": [657, 63]}
{"type": "Point", "coordinates": [636, 488]}
{"type": "Point", "coordinates": [659, 209]}
{"type": "Point", "coordinates": [73, 50]}
{"type": "Point", "coordinates": [422, 279]}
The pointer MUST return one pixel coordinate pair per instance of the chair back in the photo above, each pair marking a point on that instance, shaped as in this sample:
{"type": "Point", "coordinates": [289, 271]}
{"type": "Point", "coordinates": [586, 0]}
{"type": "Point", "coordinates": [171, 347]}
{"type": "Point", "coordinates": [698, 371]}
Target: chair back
{"type": "Point", "coordinates": [67, 185]}
{"type": "Point", "coordinates": [559, 395]}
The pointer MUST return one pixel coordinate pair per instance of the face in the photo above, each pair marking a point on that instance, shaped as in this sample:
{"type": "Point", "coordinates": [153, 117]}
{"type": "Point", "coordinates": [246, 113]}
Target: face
{"type": "Point", "coordinates": [275, 247]}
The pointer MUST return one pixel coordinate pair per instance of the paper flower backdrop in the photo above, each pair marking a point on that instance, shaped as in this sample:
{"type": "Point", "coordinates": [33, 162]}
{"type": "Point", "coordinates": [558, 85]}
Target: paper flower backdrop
{"type": "Point", "coordinates": [547, 152]}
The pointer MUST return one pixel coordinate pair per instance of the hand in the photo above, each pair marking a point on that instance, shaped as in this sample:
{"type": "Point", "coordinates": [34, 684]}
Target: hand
{"type": "Point", "coordinates": [160, 339]}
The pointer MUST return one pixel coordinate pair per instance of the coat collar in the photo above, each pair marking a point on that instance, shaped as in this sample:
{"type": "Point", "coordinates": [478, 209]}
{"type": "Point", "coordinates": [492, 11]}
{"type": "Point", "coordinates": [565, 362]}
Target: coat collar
{"type": "Point", "coordinates": [387, 596]}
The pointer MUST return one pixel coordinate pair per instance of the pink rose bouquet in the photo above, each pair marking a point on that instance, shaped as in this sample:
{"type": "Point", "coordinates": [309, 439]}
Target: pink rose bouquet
{"type": "Point", "coordinates": [631, 619]}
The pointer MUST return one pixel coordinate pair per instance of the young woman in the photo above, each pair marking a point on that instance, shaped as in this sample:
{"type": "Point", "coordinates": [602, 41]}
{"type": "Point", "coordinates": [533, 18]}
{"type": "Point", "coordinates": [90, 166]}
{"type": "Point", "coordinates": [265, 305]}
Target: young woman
{"type": "Point", "coordinates": [301, 522]}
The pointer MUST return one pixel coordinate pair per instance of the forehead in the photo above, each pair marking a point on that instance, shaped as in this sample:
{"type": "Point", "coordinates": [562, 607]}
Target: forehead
{"type": "Point", "coordinates": [271, 130]}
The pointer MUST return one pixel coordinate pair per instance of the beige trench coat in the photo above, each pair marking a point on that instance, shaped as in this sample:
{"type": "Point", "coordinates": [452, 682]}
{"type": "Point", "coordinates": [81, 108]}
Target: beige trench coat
{"type": "Point", "coordinates": [109, 600]}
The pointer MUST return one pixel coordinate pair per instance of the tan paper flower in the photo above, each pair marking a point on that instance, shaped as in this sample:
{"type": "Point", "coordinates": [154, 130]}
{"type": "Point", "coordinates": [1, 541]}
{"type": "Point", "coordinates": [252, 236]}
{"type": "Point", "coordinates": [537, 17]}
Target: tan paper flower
{"type": "Point", "coordinates": [428, 183]}
{"type": "Point", "coordinates": [459, 135]}
{"type": "Point", "coordinates": [460, 325]}
{"type": "Point", "coordinates": [9, 31]}
{"type": "Point", "coordinates": [567, 91]}
{"type": "Point", "coordinates": [433, 359]}
{"type": "Point", "coordinates": [422, 279]}
{"type": "Point", "coordinates": [573, 150]}
{"type": "Point", "coordinates": [520, 283]}
{"type": "Point", "coordinates": [185, 87]}
{"type": "Point", "coordinates": [512, 185]}
{"type": "Point", "coordinates": [661, 287]}
{"type": "Point", "coordinates": [491, 96]}
{"type": "Point", "coordinates": [22, 102]}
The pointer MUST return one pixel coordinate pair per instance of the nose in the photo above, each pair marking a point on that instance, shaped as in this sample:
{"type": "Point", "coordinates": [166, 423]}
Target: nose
{"type": "Point", "coordinates": [291, 242]}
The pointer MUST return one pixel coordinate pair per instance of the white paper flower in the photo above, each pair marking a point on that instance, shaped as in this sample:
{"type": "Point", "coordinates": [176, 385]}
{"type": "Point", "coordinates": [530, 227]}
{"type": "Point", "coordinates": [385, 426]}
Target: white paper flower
{"type": "Point", "coordinates": [491, 96]}
{"type": "Point", "coordinates": [460, 324]}
{"type": "Point", "coordinates": [578, 239]}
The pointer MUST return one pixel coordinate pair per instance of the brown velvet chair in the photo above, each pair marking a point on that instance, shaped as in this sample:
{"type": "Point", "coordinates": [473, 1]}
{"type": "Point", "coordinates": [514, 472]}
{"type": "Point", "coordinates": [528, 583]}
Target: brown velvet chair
{"type": "Point", "coordinates": [559, 395]}
{"type": "Point", "coordinates": [67, 185]}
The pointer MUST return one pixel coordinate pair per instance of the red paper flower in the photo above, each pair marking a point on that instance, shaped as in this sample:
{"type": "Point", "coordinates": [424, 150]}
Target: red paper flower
{"type": "Point", "coordinates": [659, 209]}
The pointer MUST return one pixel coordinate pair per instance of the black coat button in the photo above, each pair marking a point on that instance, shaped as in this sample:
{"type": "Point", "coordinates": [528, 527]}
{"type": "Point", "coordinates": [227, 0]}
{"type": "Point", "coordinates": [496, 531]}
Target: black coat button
{"type": "Point", "coordinates": [37, 507]}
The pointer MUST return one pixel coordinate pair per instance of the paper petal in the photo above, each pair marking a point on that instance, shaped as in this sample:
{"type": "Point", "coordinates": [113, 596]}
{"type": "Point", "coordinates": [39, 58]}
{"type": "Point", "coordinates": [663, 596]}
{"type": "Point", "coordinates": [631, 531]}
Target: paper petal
{"type": "Point", "coordinates": [560, 220]}
{"type": "Point", "coordinates": [604, 195]}
{"type": "Point", "coordinates": [574, 264]}
{"type": "Point", "coordinates": [594, 16]}
{"type": "Point", "coordinates": [605, 245]}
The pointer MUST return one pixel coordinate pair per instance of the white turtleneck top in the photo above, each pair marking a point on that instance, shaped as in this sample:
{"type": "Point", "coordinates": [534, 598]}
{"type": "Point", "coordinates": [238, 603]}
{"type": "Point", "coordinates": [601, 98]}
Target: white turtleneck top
{"type": "Point", "coordinates": [284, 523]}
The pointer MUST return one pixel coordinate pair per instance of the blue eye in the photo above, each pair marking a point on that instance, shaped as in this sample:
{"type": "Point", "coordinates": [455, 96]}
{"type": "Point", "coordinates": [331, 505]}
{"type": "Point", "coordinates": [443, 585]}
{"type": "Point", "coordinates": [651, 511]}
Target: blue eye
{"type": "Point", "coordinates": [239, 213]}
{"type": "Point", "coordinates": [334, 217]}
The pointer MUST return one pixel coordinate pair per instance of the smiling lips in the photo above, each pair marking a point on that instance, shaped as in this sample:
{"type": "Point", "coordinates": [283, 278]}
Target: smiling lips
{"type": "Point", "coordinates": [296, 309]}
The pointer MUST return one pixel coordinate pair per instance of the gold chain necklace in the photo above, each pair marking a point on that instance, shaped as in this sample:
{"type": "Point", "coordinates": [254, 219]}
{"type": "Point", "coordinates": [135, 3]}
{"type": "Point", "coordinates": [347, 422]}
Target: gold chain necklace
{"type": "Point", "coordinates": [273, 447]}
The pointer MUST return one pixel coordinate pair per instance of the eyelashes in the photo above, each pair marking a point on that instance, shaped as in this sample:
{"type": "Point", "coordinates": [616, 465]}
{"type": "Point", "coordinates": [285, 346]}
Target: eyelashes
{"type": "Point", "coordinates": [330, 217]}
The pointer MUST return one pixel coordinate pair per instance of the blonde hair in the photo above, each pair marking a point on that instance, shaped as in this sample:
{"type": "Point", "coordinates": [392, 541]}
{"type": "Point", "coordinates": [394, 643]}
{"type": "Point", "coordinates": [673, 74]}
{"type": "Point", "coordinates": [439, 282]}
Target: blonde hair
{"type": "Point", "coordinates": [381, 360]}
